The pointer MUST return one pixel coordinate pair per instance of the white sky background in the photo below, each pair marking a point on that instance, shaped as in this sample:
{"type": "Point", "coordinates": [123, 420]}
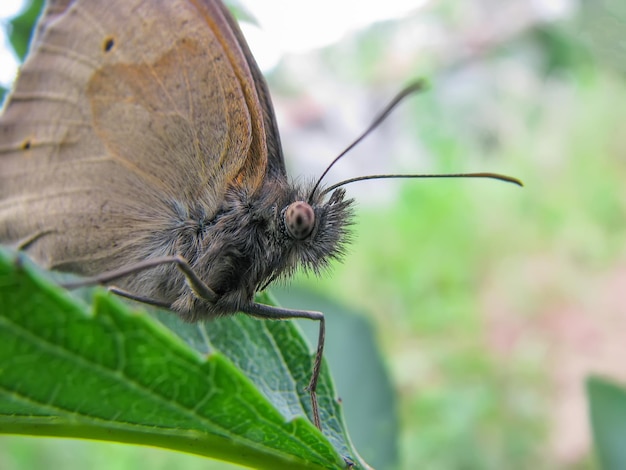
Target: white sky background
{"type": "Point", "coordinates": [286, 26]}
{"type": "Point", "coordinates": [8, 61]}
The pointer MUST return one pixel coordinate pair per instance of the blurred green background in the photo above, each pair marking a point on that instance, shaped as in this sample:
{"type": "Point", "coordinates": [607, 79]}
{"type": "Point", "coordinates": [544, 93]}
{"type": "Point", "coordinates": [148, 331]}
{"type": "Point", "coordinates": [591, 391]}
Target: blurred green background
{"type": "Point", "coordinates": [490, 303]}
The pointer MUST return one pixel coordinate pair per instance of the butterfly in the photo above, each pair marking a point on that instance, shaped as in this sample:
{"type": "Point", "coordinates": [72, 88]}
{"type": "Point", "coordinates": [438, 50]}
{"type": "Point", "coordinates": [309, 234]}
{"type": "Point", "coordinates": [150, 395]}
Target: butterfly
{"type": "Point", "coordinates": [140, 148]}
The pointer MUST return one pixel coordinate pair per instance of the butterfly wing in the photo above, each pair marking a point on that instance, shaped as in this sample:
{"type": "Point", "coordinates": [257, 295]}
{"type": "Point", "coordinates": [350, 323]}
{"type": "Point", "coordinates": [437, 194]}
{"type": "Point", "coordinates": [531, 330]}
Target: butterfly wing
{"type": "Point", "coordinates": [276, 160]}
{"type": "Point", "coordinates": [127, 118]}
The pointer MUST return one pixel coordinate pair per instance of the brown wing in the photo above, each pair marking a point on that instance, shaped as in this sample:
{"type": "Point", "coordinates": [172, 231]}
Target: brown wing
{"type": "Point", "coordinates": [276, 160]}
{"type": "Point", "coordinates": [126, 116]}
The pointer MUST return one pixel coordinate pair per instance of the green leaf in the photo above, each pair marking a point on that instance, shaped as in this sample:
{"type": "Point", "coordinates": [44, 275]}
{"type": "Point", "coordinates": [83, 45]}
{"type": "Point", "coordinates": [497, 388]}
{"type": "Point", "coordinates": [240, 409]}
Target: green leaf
{"type": "Point", "coordinates": [240, 12]}
{"type": "Point", "coordinates": [231, 389]}
{"type": "Point", "coordinates": [352, 352]}
{"type": "Point", "coordinates": [607, 403]}
{"type": "Point", "coordinates": [21, 28]}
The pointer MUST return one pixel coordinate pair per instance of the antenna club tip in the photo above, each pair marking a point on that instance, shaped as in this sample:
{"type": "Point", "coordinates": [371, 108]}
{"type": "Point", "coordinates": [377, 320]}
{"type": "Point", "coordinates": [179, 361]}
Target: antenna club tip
{"type": "Point", "coordinates": [497, 176]}
{"type": "Point", "coordinates": [418, 84]}
{"type": "Point", "coordinates": [520, 183]}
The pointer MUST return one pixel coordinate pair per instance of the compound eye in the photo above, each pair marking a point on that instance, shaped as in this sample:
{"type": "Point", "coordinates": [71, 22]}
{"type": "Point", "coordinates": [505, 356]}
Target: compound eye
{"type": "Point", "coordinates": [299, 220]}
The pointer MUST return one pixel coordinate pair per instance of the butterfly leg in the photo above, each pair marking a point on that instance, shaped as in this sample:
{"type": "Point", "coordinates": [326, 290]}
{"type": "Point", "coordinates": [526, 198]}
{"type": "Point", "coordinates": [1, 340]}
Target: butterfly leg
{"type": "Point", "coordinates": [138, 298]}
{"type": "Point", "coordinates": [205, 292]}
{"type": "Point", "coordinates": [276, 313]}
{"type": "Point", "coordinates": [25, 243]}
{"type": "Point", "coordinates": [200, 288]}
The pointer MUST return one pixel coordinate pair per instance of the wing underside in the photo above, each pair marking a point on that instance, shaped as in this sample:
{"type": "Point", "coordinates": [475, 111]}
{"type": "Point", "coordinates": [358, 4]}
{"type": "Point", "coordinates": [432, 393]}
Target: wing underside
{"type": "Point", "coordinates": [127, 118]}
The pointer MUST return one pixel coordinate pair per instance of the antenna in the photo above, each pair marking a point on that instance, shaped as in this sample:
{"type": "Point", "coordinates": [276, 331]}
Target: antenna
{"type": "Point", "coordinates": [414, 87]}
{"type": "Point", "coordinates": [495, 176]}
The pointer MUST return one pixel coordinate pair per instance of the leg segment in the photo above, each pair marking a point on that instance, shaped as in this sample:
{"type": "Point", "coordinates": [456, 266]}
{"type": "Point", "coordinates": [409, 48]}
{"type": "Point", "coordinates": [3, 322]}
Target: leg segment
{"type": "Point", "coordinates": [269, 312]}
{"type": "Point", "coordinates": [200, 288]}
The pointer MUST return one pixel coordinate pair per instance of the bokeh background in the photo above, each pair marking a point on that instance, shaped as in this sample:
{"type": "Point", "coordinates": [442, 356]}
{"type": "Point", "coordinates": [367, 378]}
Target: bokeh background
{"type": "Point", "coordinates": [490, 304]}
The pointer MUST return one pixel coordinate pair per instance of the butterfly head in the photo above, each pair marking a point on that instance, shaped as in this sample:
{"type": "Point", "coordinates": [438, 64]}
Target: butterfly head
{"type": "Point", "coordinates": [316, 229]}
